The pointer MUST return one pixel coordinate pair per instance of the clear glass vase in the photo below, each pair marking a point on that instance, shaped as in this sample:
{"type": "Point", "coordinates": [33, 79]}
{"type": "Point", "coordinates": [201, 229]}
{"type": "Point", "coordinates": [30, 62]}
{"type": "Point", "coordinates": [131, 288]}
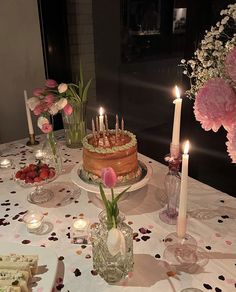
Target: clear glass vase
{"type": "Point", "coordinates": [111, 268]}
{"type": "Point", "coordinates": [51, 153]}
{"type": "Point", "coordinates": [75, 125]}
{"type": "Point", "coordinates": [172, 189]}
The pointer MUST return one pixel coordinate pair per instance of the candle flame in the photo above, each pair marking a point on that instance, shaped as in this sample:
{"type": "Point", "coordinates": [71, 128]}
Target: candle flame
{"type": "Point", "coordinates": [177, 91]}
{"type": "Point", "coordinates": [186, 147]}
{"type": "Point", "coordinates": [101, 111]}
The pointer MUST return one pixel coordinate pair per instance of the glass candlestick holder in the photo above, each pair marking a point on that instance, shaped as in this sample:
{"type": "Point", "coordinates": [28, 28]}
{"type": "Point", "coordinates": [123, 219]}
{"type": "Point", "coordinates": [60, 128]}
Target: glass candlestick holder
{"type": "Point", "coordinates": [171, 188]}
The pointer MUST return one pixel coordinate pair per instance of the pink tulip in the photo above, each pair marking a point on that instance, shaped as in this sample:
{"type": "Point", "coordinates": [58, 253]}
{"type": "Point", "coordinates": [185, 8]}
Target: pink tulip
{"type": "Point", "coordinates": [68, 110]}
{"type": "Point", "coordinates": [46, 128]}
{"type": "Point", "coordinates": [38, 110]}
{"type": "Point", "coordinates": [49, 99]}
{"type": "Point", "coordinates": [38, 92]}
{"type": "Point", "coordinates": [50, 83]}
{"type": "Point", "coordinates": [109, 177]}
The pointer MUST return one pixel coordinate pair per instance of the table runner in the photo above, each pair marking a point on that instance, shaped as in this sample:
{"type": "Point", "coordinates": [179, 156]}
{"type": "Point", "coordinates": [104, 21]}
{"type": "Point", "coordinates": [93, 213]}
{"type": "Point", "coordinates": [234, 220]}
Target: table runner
{"type": "Point", "coordinates": [211, 221]}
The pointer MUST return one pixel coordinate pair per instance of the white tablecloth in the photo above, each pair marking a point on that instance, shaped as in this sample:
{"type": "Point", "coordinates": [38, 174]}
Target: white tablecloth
{"type": "Point", "coordinates": [211, 221]}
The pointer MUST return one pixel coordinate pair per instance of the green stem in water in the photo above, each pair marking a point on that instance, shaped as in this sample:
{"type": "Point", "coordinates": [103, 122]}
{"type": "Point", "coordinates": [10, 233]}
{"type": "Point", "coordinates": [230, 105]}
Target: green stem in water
{"type": "Point", "coordinates": [52, 145]}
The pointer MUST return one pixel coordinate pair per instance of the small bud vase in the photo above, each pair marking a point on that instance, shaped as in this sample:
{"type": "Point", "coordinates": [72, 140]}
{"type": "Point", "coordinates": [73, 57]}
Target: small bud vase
{"type": "Point", "coordinates": [75, 125]}
{"type": "Point", "coordinates": [172, 188]}
{"type": "Point", "coordinates": [111, 268]}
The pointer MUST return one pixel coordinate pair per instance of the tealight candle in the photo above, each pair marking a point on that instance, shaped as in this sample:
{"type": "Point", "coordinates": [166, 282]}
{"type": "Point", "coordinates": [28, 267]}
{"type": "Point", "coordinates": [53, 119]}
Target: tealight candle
{"type": "Point", "coordinates": [79, 231]}
{"type": "Point", "coordinates": [5, 163]}
{"type": "Point", "coordinates": [39, 154]}
{"type": "Point", "coordinates": [33, 221]}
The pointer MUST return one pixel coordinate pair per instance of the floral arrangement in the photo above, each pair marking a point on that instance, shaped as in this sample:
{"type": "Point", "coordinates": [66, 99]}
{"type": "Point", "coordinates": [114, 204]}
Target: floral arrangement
{"type": "Point", "coordinates": [212, 74]}
{"type": "Point", "coordinates": [53, 98]}
{"type": "Point", "coordinates": [115, 239]}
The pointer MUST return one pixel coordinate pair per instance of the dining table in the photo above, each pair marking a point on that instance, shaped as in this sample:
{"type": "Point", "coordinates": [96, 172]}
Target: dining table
{"type": "Point", "coordinates": [211, 221]}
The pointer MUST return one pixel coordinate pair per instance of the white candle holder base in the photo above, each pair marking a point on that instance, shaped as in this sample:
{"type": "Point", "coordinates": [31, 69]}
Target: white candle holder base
{"type": "Point", "coordinates": [40, 195]}
{"type": "Point", "coordinates": [180, 251]}
{"type": "Point", "coordinates": [32, 140]}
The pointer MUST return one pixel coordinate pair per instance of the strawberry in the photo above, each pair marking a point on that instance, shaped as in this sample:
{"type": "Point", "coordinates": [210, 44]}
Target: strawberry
{"type": "Point", "coordinates": [32, 167]}
{"type": "Point", "coordinates": [43, 174]}
{"type": "Point", "coordinates": [51, 173]}
{"type": "Point", "coordinates": [37, 179]}
{"type": "Point", "coordinates": [18, 174]}
{"type": "Point", "coordinates": [31, 174]}
{"type": "Point", "coordinates": [22, 176]}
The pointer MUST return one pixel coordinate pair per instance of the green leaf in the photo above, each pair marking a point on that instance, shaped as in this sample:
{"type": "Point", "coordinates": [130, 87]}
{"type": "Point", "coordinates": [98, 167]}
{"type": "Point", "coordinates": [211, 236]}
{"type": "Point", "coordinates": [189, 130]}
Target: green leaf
{"type": "Point", "coordinates": [119, 196]}
{"type": "Point", "coordinates": [81, 76]}
{"type": "Point", "coordinates": [85, 92]}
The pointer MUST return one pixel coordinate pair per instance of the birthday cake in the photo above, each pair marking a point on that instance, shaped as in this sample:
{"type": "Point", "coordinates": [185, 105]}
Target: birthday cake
{"type": "Point", "coordinates": [111, 148]}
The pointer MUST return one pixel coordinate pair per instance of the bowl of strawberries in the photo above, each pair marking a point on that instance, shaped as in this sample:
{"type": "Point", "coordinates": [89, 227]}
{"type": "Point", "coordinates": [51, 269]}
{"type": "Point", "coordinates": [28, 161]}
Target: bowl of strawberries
{"type": "Point", "coordinates": [36, 175]}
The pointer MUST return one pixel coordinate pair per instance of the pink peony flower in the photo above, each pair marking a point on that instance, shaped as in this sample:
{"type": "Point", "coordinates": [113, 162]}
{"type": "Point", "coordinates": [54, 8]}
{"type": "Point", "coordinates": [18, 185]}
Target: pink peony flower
{"type": "Point", "coordinates": [50, 83]}
{"type": "Point", "coordinates": [68, 110]}
{"type": "Point", "coordinates": [38, 109]}
{"type": "Point", "coordinates": [46, 128]}
{"type": "Point", "coordinates": [49, 99]}
{"type": "Point", "coordinates": [215, 105]}
{"type": "Point", "coordinates": [109, 177]}
{"type": "Point", "coordinates": [230, 64]}
{"type": "Point", "coordinates": [231, 143]}
{"type": "Point", "coordinates": [38, 92]}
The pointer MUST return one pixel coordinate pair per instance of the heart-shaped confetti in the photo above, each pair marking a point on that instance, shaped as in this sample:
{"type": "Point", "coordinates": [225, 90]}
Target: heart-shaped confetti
{"type": "Point", "coordinates": [40, 289]}
{"type": "Point", "coordinates": [17, 235]}
{"type": "Point", "coordinates": [230, 281]}
{"type": "Point", "coordinates": [228, 242]}
{"type": "Point", "coordinates": [217, 234]}
{"type": "Point", "coordinates": [58, 221]}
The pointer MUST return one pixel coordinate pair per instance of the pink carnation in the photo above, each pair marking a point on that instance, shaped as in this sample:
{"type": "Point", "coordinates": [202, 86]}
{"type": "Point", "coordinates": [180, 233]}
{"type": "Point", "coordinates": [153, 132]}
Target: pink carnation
{"type": "Point", "coordinates": [215, 105]}
{"type": "Point", "coordinates": [38, 92]}
{"type": "Point", "coordinates": [109, 177]}
{"type": "Point", "coordinates": [49, 99]}
{"type": "Point", "coordinates": [68, 110]}
{"type": "Point", "coordinates": [231, 143]}
{"type": "Point", "coordinates": [230, 64]}
{"type": "Point", "coordinates": [46, 128]}
{"type": "Point", "coordinates": [50, 83]}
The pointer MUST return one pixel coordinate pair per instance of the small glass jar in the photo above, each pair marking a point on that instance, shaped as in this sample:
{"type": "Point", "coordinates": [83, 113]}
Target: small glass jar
{"type": "Point", "coordinates": [33, 221]}
{"type": "Point", "coordinates": [111, 268]}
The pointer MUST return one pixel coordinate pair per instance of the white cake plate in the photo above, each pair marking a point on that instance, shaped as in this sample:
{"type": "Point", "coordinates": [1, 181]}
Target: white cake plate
{"type": "Point", "coordinates": [86, 185]}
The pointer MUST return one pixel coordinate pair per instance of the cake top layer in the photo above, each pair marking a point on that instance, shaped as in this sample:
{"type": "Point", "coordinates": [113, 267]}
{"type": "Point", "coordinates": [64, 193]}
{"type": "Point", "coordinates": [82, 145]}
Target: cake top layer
{"type": "Point", "coordinates": [109, 144]}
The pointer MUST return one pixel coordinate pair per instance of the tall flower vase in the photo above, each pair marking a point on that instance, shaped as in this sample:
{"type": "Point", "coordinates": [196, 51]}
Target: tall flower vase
{"type": "Point", "coordinates": [51, 152]}
{"type": "Point", "coordinates": [172, 189]}
{"type": "Point", "coordinates": [75, 125]}
{"type": "Point", "coordinates": [112, 268]}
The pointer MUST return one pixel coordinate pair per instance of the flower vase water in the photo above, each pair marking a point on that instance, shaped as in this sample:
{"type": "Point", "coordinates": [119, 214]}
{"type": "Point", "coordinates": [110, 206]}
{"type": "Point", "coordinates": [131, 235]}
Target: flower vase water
{"type": "Point", "coordinates": [112, 239]}
{"type": "Point", "coordinates": [75, 125]}
{"type": "Point", "coordinates": [51, 152]}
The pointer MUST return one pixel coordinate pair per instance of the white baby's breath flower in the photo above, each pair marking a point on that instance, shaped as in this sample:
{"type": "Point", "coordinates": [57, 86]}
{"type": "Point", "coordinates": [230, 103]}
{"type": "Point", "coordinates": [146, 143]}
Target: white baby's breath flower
{"type": "Point", "coordinates": [225, 20]}
{"type": "Point", "coordinates": [183, 61]}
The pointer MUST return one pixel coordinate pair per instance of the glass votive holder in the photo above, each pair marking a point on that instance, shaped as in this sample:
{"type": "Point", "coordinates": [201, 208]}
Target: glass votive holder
{"type": "Point", "coordinates": [79, 231]}
{"type": "Point", "coordinates": [33, 221]}
{"type": "Point", "coordinates": [5, 163]}
{"type": "Point", "coordinates": [39, 154]}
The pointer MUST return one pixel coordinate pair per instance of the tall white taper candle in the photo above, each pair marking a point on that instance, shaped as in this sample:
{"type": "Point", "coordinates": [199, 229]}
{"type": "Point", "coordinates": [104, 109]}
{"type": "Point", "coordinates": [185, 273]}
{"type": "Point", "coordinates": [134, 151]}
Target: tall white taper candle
{"type": "Point", "coordinates": [182, 216]}
{"type": "Point", "coordinates": [101, 119]}
{"type": "Point", "coordinates": [29, 119]}
{"type": "Point", "coordinates": [177, 117]}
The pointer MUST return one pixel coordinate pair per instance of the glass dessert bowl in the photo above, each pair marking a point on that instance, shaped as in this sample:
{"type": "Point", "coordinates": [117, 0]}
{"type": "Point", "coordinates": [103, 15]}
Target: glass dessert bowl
{"type": "Point", "coordinates": [37, 175]}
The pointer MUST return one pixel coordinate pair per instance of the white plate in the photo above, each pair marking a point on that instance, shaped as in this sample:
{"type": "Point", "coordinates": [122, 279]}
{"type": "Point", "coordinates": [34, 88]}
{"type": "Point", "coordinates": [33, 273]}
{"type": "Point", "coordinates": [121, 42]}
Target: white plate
{"type": "Point", "coordinates": [93, 188]}
{"type": "Point", "coordinates": [47, 264]}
